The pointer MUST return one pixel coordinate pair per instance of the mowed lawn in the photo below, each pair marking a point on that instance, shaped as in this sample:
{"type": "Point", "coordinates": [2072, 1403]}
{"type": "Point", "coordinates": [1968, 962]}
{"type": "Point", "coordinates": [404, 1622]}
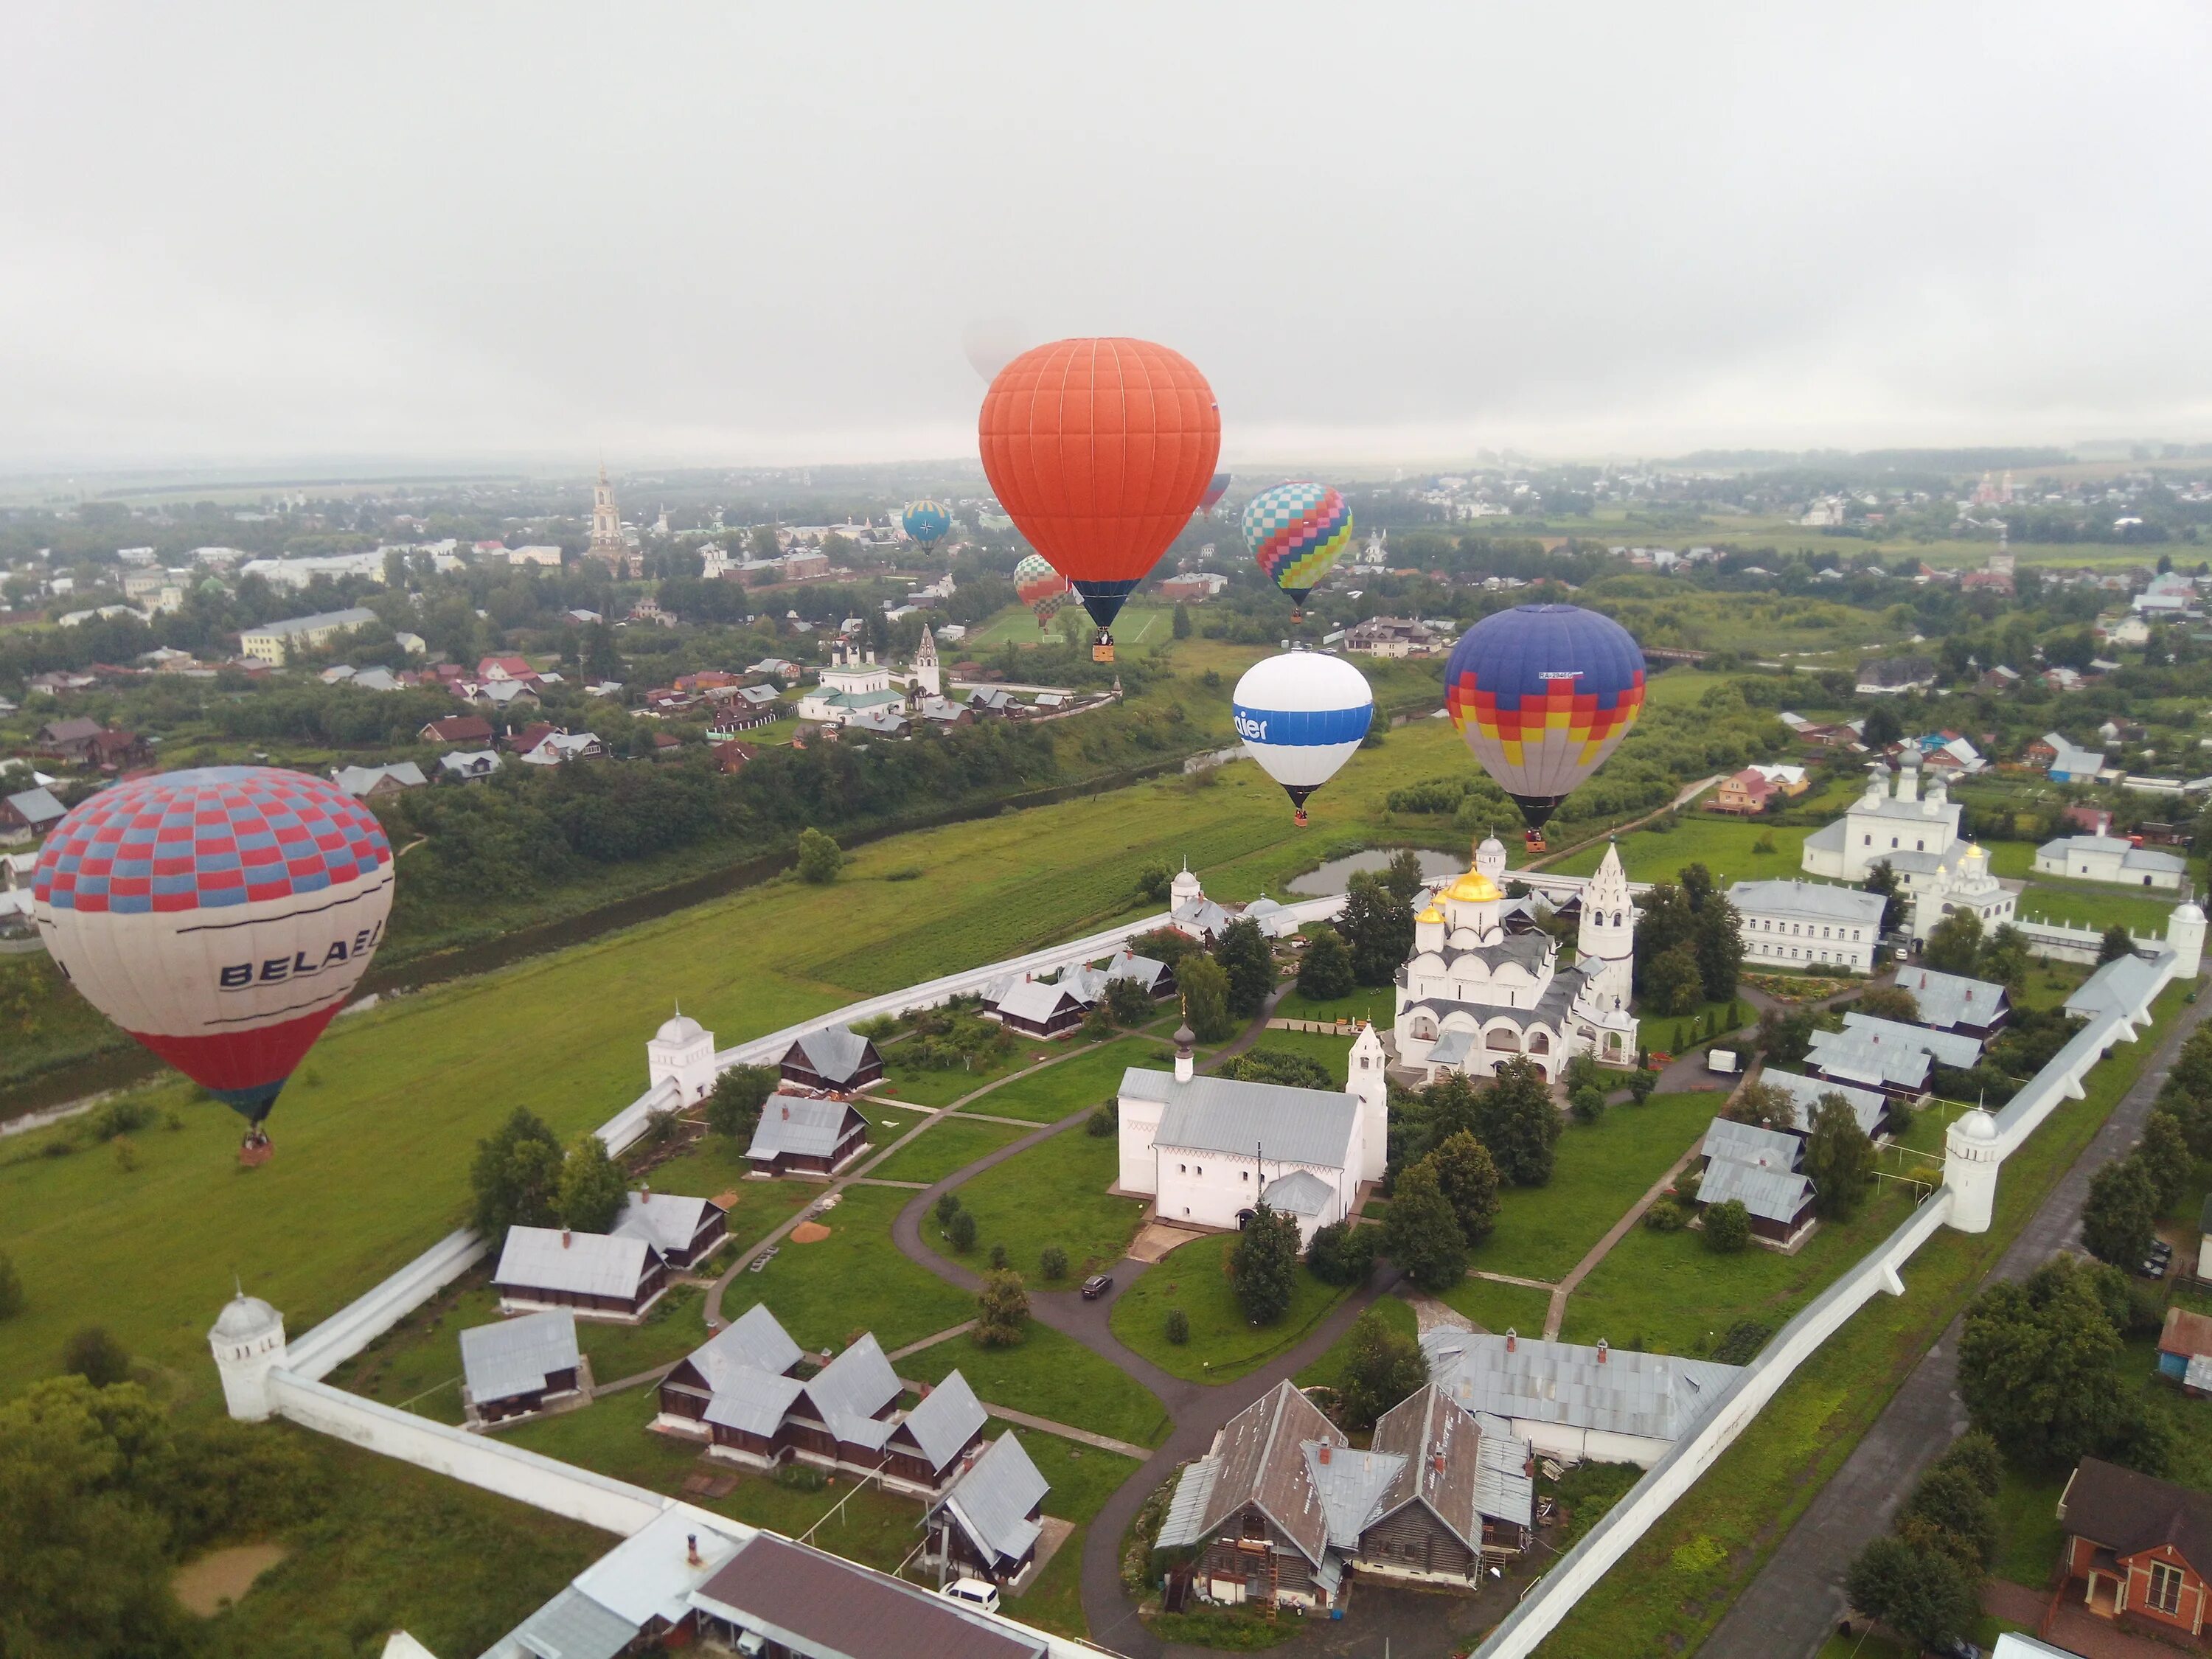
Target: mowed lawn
{"type": "Point", "coordinates": [1724, 846]}
{"type": "Point", "coordinates": [1499, 1308]}
{"type": "Point", "coordinates": [1224, 1345]}
{"type": "Point", "coordinates": [854, 1281]}
{"type": "Point", "coordinates": [1048, 1375]}
{"type": "Point", "coordinates": [1053, 1193]}
{"type": "Point", "coordinates": [374, 1138]}
{"type": "Point", "coordinates": [949, 1144]}
{"type": "Point", "coordinates": [1598, 1170]}
{"type": "Point", "coordinates": [1086, 1078]}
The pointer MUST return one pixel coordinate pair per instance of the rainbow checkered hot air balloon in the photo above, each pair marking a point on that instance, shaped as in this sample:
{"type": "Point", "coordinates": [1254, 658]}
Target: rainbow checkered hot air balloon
{"type": "Point", "coordinates": [1041, 587]}
{"type": "Point", "coordinates": [1542, 693]}
{"type": "Point", "coordinates": [1298, 532]}
{"type": "Point", "coordinates": [221, 916]}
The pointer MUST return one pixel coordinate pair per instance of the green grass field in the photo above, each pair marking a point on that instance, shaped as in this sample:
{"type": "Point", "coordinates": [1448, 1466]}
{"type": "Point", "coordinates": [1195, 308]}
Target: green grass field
{"type": "Point", "coordinates": [947, 1145]}
{"type": "Point", "coordinates": [853, 1280]}
{"type": "Point", "coordinates": [1599, 1169]}
{"type": "Point", "coordinates": [374, 1136]}
{"type": "Point", "coordinates": [1498, 1307]}
{"type": "Point", "coordinates": [1222, 1345]}
{"type": "Point", "coordinates": [1089, 1077]}
{"type": "Point", "coordinates": [1053, 1193]}
{"type": "Point", "coordinates": [941, 1088]}
{"type": "Point", "coordinates": [1052, 1376]}
{"type": "Point", "coordinates": [1679, 1579]}
{"type": "Point", "coordinates": [1724, 846]}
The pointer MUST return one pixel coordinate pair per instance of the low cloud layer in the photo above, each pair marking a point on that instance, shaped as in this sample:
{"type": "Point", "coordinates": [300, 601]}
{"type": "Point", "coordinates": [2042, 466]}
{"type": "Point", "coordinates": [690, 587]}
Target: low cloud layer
{"type": "Point", "coordinates": [746, 234]}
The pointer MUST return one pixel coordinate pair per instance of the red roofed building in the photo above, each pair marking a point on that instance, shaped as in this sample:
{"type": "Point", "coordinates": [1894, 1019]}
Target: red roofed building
{"type": "Point", "coordinates": [506, 668]}
{"type": "Point", "coordinates": [457, 728]}
{"type": "Point", "coordinates": [2137, 1550]}
{"type": "Point", "coordinates": [1746, 794]}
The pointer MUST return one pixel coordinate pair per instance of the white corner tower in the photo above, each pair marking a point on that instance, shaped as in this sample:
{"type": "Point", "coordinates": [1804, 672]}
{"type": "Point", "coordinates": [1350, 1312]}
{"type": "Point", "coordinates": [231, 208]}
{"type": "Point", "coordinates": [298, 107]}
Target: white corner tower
{"type": "Point", "coordinates": [1608, 934]}
{"type": "Point", "coordinates": [1971, 1158]}
{"type": "Point", "coordinates": [2184, 931]}
{"type": "Point", "coordinates": [1490, 859]}
{"type": "Point", "coordinates": [1363, 1080]}
{"type": "Point", "coordinates": [682, 1052]}
{"type": "Point", "coordinates": [1184, 889]}
{"type": "Point", "coordinates": [248, 1341]}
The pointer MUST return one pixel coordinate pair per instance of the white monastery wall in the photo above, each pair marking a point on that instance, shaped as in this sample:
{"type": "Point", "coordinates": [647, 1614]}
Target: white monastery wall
{"type": "Point", "coordinates": [358, 1323]}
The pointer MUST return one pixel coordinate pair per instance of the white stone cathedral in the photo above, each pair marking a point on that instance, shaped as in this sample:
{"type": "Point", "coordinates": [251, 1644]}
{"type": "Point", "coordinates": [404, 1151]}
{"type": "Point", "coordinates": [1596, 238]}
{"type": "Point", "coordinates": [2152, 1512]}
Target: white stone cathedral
{"type": "Point", "coordinates": [1472, 994]}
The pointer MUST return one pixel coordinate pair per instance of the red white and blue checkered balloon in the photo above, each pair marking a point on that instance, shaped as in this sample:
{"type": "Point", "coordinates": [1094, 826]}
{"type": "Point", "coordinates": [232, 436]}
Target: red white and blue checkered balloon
{"type": "Point", "coordinates": [219, 916]}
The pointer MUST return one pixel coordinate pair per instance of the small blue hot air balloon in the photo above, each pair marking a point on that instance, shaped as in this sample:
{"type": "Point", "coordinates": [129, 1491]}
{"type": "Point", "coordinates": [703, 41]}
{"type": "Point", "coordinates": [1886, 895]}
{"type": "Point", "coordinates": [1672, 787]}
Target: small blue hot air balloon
{"type": "Point", "coordinates": [1301, 715]}
{"type": "Point", "coordinates": [927, 522]}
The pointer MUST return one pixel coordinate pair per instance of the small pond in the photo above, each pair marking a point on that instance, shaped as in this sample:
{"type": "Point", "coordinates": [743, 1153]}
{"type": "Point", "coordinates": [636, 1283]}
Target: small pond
{"type": "Point", "coordinates": [1336, 875]}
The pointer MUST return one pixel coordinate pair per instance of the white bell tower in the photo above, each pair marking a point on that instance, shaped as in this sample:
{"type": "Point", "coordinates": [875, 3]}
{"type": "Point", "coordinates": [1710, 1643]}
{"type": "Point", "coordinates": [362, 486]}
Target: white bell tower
{"type": "Point", "coordinates": [928, 678]}
{"type": "Point", "coordinates": [1608, 934]}
{"type": "Point", "coordinates": [248, 1341]}
{"type": "Point", "coordinates": [1184, 889]}
{"type": "Point", "coordinates": [682, 1052]}
{"type": "Point", "coordinates": [1365, 1081]}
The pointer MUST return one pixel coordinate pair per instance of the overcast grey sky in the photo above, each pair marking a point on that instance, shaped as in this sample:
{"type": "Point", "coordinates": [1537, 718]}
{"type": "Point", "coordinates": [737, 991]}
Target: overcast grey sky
{"type": "Point", "coordinates": [754, 233]}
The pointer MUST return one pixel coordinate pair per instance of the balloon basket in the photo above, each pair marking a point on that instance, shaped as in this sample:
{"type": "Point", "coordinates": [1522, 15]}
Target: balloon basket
{"type": "Point", "coordinates": [1298, 818]}
{"type": "Point", "coordinates": [1102, 651]}
{"type": "Point", "coordinates": [256, 1153]}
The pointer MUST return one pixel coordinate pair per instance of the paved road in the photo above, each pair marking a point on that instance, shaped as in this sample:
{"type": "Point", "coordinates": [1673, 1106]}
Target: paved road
{"type": "Point", "coordinates": [1798, 1598]}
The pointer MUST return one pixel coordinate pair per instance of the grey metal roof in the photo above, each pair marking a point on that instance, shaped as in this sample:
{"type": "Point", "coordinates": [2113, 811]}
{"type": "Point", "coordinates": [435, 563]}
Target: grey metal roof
{"type": "Point", "coordinates": [1035, 1000]}
{"type": "Point", "coordinates": [848, 1392]}
{"type": "Point", "coordinates": [1300, 1192]}
{"type": "Point", "coordinates": [993, 1499]}
{"type": "Point", "coordinates": [1263, 1463]}
{"type": "Point", "coordinates": [1857, 1057]}
{"type": "Point", "coordinates": [1529, 950]}
{"type": "Point", "coordinates": [1222, 1114]}
{"type": "Point", "coordinates": [1747, 1143]}
{"type": "Point", "coordinates": [1438, 1439]}
{"type": "Point", "coordinates": [2122, 986]}
{"type": "Point", "coordinates": [1808, 900]}
{"type": "Point", "coordinates": [1503, 1488]}
{"type": "Point", "coordinates": [755, 1341]}
{"type": "Point", "coordinates": [1950, 1048]}
{"type": "Point", "coordinates": [1867, 1107]}
{"type": "Point", "coordinates": [586, 1264]}
{"type": "Point", "coordinates": [359, 780]}
{"type": "Point", "coordinates": [469, 763]}
{"type": "Point", "coordinates": [1453, 1048]}
{"type": "Point", "coordinates": [515, 1356]}
{"type": "Point", "coordinates": [1193, 1495]}
{"type": "Point", "coordinates": [1351, 1485]}
{"type": "Point", "coordinates": [946, 1419]}
{"type": "Point", "coordinates": [38, 806]}
{"type": "Point", "coordinates": [670, 1221]}
{"type": "Point", "coordinates": [1654, 1396]}
{"type": "Point", "coordinates": [572, 1626]}
{"type": "Point", "coordinates": [1770, 1194]}
{"type": "Point", "coordinates": [752, 1401]}
{"type": "Point", "coordinates": [837, 1052]}
{"type": "Point", "coordinates": [1948, 999]}
{"type": "Point", "coordinates": [352, 616]}
{"type": "Point", "coordinates": [799, 1124]}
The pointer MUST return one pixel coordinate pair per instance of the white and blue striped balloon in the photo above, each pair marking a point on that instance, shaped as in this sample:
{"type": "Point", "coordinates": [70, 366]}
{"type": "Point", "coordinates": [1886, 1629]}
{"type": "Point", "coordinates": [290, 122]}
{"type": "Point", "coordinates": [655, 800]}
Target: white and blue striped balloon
{"type": "Point", "coordinates": [1301, 715]}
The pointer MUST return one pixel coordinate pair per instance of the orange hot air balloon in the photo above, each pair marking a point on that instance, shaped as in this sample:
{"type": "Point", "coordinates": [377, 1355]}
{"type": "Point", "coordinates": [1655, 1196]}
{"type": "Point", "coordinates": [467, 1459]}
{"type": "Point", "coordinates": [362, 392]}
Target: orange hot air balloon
{"type": "Point", "coordinates": [1099, 450]}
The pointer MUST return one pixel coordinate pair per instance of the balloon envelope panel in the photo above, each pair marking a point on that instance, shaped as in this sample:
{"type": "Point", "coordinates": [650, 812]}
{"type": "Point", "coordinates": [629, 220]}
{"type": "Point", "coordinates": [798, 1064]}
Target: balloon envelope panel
{"type": "Point", "coordinates": [927, 522]}
{"type": "Point", "coordinates": [1099, 450]}
{"type": "Point", "coordinates": [1302, 716]}
{"type": "Point", "coordinates": [1542, 693]}
{"type": "Point", "coordinates": [1297, 531]}
{"type": "Point", "coordinates": [1041, 587]}
{"type": "Point", "coordinates": [1215, 490]}
{"type": "Point", "coordinates": [221, 916]}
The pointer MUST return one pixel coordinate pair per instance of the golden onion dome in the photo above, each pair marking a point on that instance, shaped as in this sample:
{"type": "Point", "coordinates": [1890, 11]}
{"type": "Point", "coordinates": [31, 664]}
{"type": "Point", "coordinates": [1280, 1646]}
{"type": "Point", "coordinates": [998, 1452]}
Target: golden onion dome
{"type": "Point", "coordinates": [1432, 914]}
{"type": "Point", "coordinates": [1473, 888]}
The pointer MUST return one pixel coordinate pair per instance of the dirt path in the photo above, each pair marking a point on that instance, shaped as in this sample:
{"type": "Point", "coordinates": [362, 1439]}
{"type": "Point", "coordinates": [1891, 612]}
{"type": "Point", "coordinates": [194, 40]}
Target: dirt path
{"type": "Point", "coordinates": [204, 1586]}
{"type": "Point", "coordinates": [1556, 1314]}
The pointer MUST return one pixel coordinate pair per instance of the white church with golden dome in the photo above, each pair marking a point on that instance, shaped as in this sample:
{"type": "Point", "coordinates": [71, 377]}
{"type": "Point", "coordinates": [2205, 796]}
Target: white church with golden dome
{"type": "Point", "coordinates": [1472, 994]}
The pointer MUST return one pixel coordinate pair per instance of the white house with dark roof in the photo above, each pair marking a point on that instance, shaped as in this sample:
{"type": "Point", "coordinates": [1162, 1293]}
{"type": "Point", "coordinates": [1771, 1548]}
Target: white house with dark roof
{"type": "Point", "coordinates": [1207, 1150]}
{"type": "Point", "coordinates": [520, 1365]}
{"type": "Point", "coordinates": [1608, 1405]}
{"type": "Point", "coordinates": [1801, 924]}
{"type": "Point", "coordinates": [467, 766]}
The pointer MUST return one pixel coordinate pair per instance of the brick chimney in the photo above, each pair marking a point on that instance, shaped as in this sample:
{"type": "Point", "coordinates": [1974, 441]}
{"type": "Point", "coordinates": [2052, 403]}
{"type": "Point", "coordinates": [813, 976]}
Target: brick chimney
{"type": "Point", "coordinates": [564, 1238]}
{"type": "Point", "coordinates": [1602, 1351]}
{"type": "Point", "coordinates": [1512, 1338]}
{"type": "Point", "coordinates": [1324, 1452]}
{"type": "Point", "coordinates": [691, 1556]}
{"type": "Point", "coordinates": [646, 1195]}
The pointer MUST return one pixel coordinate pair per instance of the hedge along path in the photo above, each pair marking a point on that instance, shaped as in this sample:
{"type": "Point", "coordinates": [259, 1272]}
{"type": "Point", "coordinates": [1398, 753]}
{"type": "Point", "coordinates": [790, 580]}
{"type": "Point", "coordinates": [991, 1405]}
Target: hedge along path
{"type": "Point", "coordinates": [1556, 1314]}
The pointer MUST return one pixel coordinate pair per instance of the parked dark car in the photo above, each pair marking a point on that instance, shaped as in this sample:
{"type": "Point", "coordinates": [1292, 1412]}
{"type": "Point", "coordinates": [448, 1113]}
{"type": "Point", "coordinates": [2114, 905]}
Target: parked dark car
{"type": "Point", "coordinates": [1097, 1285]}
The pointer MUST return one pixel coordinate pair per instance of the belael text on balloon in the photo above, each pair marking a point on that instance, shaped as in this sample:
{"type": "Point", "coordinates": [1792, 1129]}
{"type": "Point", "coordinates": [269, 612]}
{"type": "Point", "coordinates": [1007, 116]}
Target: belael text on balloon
{"type": "Point", "coordinates": [238, 975]}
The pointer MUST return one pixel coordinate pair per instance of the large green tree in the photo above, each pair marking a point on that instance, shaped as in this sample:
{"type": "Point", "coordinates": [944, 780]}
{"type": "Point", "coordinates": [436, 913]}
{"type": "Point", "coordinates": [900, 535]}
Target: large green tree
{"type": "Point", "coordinates": [1515, 1118]}
{"type": "Point", "coordinates": [1718, 948]}
{"type": "Point", "coordinates": [1325, 972]}
{"type": "Point", "coordinates": [1420, 1233]}
{"type": "Point", "coordinates": [1838, 1158]}
{"type": "Point", "coordinates": [1377, 927]}
{"type": "Point", "coordinates": [1469, 1178]}
{"type": "Point", "coordinates": [1673, 985]}
{"type": "Point", "coordinates": [1206, 998]}
{"type": "Point", "coordinates": [1383, 1367]}
{"type": "Point", "coordinates": [820, 858]}
{"type": "Point", "coordinates": [1953, 946]}
{"type": "Point", "coordinates": [2164, 1154]}
{"type": "Point", "coordinates": [593, 1187]}
{"type": "Point", "coordinates": [2041, 1368]}
{"type": "Point", "coordinates": [733, 1108]}
{"type": "Point", "coordinates": [516, 1175]}
{"type": "Point", "coordinates": [1921, 1594]}
{"type": "Point", "coordinates": [1263, 1264]}
{"type": "Point", "coordinates": [1002, 1309]}
{"type": "Point", "coordinates": [1244, 957]}
{"type": "Point", "coordinates": [2120, 1217]}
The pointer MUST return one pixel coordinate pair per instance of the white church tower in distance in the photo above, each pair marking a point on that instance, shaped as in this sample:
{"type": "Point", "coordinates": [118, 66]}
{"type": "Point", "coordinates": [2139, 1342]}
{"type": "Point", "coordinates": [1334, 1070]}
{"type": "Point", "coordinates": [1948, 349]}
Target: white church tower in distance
{"type": "Point", "coordinates": [1607, 934]}
{"type": "Point", "coordinates": [607, 542]}
{"type": "Point", "coordinates": [928, 680]}
{"type": "Point", "coordinates": [1365, 1081]}
{"type": "Point", "coordinates": [248, 1340]}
